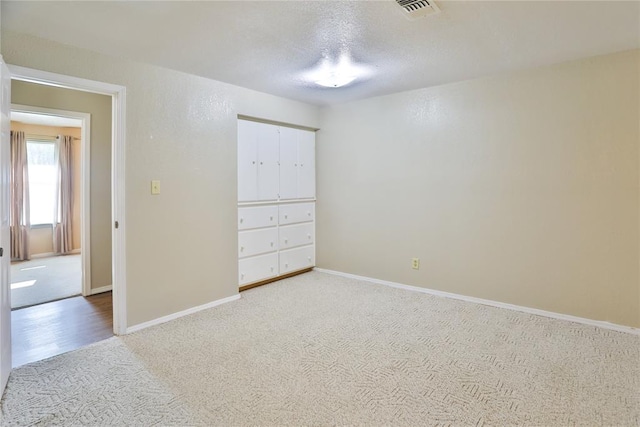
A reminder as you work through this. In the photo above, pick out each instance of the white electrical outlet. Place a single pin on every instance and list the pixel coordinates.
(415, 263)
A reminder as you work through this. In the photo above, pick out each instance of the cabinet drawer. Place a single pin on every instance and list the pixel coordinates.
(254, 242)
(257, 268)
(296, 235)
(298, 212)
(297, 259)
(257, 217)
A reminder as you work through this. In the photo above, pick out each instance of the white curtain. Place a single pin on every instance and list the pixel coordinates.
(20, 225)
(63, 206)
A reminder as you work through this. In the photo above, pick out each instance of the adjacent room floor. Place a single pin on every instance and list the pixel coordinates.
(45, 279)
(324, 350)
(53, 328)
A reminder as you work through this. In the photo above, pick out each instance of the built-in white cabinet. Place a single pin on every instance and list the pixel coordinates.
(258, 158)
(255, 242)
(291, 236)
(297, 164)
(257, 217)
(298, 212)
(276, 201)
(296, 259)
(258, 268)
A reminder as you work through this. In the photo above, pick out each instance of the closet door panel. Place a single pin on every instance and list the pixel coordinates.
(247, 161)
(306, 165)
(268, 154)
(288, 163)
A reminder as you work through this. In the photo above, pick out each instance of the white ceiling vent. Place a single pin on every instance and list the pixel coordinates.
(418, 8)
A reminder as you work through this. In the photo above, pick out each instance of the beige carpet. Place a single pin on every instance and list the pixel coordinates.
(45, 279)
(323, 350)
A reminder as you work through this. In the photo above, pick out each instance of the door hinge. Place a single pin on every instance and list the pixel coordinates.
(117, 224)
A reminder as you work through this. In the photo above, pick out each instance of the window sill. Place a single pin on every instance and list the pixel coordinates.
(36, 226)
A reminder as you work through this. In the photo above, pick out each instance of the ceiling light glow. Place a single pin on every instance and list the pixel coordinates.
(338, 74)
(335, 79)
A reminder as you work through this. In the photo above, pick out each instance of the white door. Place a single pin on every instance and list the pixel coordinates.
(306, 165)
(5, 258)
(247, 161)
(288, 163)
(268, 172)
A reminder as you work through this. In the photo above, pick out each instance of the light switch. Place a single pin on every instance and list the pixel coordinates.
(155, 187)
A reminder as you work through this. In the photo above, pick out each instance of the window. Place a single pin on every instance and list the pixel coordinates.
(41, 157)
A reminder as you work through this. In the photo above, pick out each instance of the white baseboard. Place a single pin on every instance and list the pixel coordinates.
(52, 254)
(179, 314)
(100, 290)
(43, 255)
(529, 310)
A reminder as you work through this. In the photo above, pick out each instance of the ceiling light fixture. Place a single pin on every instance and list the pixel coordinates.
(338, 74)
(335, 79)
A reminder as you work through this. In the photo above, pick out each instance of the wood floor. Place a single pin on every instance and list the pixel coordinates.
(53, 328)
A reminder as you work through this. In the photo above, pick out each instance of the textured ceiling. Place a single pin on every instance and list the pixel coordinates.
(267, 45)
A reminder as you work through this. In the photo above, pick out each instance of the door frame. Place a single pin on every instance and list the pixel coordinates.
(118, 136)
(85, 183)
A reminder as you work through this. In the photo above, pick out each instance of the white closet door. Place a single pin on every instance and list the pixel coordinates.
(289, 163)
(247, 161)
(268, 154)
(306, 165)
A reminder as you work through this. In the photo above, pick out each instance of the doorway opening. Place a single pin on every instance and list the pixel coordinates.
(62, 275)
(50, 227)
(50, 205)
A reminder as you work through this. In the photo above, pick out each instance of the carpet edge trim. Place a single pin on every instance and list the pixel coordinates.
(177, 315)
(492, 303)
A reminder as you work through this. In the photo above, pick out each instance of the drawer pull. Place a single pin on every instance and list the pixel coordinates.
(286, 265)
(260, 162)
(272, 269)
(308, 213)
(241, 220)
(271, 244)
(253, 163)
(308, 236)
(271, 218)
(242, 275)
(286, 240)
(309, 258)
(286, 216)
(241, 248)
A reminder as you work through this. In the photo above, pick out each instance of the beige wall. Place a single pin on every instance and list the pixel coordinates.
(99, 106)
(181, 129)
(41, 239)
(521, 188)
